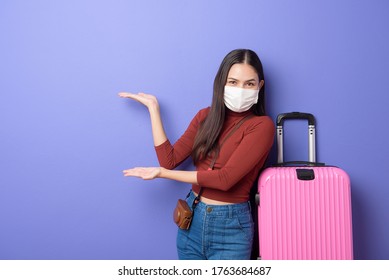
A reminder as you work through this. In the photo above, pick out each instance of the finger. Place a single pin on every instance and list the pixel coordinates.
(137, 171)
(141, 172)
(129, 172)
(137, 97)
(126, 94)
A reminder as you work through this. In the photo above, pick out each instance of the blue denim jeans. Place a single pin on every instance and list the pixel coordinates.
(218, 232)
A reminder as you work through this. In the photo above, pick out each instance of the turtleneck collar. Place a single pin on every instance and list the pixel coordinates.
(232, 114)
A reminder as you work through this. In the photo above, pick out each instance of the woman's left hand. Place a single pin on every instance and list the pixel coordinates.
(146, 173)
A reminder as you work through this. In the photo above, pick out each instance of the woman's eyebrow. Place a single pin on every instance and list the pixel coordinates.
(250, 80)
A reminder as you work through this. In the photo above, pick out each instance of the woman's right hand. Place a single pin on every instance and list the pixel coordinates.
(150, 101)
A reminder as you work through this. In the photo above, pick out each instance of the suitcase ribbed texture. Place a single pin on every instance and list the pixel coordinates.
(305, 219)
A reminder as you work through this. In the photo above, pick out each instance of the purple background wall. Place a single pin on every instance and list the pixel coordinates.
(66, 136)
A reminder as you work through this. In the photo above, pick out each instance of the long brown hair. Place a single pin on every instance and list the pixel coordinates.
(207, 136)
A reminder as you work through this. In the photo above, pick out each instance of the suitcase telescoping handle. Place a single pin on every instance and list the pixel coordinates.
(311, 134)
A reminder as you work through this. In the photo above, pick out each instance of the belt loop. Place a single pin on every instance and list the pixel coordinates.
(231, 211)
(249, 205)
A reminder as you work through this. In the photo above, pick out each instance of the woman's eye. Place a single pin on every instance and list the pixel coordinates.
(231, 82)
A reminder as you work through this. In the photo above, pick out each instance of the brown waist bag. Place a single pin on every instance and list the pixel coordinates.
(182, 214)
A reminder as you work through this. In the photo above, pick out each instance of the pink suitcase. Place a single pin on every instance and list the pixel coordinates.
(304, 210)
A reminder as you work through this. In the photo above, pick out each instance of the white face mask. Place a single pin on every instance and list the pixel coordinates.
(240, 99)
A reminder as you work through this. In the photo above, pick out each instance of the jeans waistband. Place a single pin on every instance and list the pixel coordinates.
(229, 210)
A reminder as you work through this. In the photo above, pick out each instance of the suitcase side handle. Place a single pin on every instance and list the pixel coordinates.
(311, 134)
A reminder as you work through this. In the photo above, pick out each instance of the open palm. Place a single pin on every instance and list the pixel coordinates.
(146, 173)
(146, 99)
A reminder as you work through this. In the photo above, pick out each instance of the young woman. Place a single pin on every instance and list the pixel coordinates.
(235, 132)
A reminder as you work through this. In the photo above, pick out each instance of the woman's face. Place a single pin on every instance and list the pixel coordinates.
(244, 76)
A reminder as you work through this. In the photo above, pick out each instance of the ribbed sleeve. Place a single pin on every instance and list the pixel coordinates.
(170, 156)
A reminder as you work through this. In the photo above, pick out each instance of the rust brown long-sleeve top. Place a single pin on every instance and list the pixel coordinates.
(241, 156)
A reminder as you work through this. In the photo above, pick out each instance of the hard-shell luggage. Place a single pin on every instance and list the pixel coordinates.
(304, 208)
